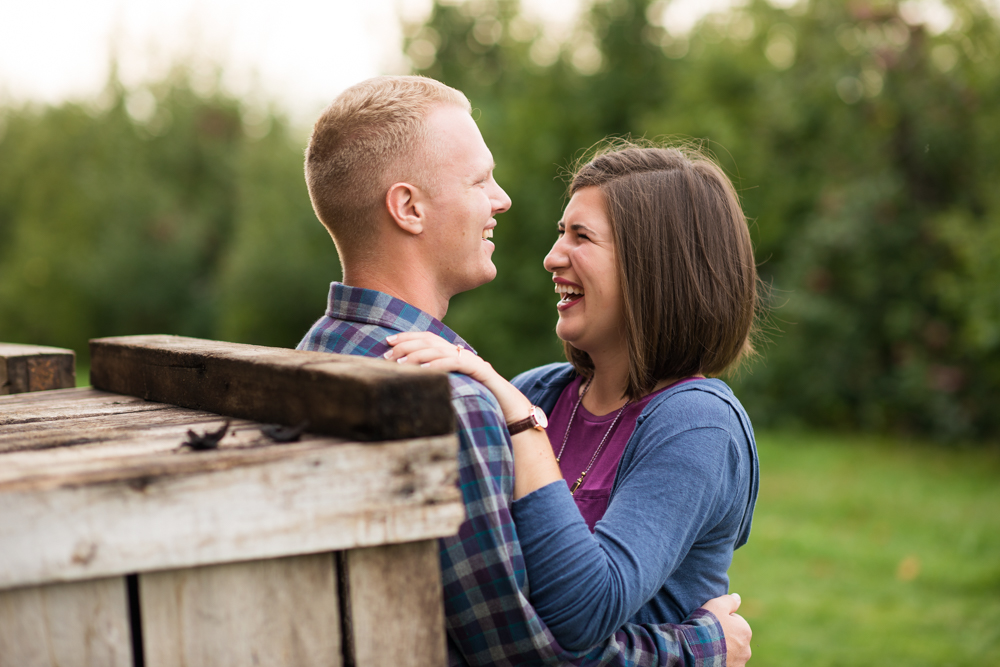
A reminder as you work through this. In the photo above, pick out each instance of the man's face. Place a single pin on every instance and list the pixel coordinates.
(463, 200)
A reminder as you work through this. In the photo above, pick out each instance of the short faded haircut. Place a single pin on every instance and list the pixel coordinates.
(365, 141)
(685, 262)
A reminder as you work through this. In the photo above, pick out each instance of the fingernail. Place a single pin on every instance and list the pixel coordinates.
(425, 364)
(391, 339)
(388, 354)
(400, 360)
(737, 596)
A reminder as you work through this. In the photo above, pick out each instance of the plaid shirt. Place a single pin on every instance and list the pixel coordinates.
(489, 618)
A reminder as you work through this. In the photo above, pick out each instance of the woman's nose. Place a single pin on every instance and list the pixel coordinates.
(557, 257)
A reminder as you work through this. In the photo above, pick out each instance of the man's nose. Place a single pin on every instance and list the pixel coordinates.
(501, 202)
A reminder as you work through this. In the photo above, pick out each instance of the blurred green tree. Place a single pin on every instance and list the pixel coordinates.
(863, 145)
(862, 142)
(156, 209)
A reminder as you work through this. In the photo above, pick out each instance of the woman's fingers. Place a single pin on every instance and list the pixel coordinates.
(405, 344)
(424, 355)
(432, 351)
(408, 348)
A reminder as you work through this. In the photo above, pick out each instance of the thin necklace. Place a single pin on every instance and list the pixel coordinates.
(593, 458)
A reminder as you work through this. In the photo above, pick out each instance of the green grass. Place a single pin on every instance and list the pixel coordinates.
(872, 552)
(82, 375)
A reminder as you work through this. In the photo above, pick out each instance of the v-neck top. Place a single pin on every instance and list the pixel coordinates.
(585, 437)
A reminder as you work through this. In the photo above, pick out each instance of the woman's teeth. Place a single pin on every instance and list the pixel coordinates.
(487, 234)
(568, 292)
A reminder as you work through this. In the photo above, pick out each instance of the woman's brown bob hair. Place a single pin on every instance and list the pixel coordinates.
(685, 262)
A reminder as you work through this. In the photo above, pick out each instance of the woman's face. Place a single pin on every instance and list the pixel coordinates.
(584, 269)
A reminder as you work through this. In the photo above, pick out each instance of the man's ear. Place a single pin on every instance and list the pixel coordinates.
(406, 207)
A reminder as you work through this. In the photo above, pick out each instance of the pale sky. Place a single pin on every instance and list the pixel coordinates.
(298, 54)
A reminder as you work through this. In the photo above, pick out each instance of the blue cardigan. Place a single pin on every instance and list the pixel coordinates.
(682, 501)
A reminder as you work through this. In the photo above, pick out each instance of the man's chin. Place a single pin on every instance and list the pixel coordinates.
(489, 275)
(481, 278)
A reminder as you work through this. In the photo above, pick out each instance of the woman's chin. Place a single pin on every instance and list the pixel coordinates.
(567, 335)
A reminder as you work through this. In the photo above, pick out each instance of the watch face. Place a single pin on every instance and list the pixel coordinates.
(540, 418)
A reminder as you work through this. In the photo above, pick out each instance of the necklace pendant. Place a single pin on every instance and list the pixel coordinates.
(576, 486)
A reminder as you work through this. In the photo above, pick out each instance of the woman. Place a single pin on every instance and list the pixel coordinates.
(631, 503)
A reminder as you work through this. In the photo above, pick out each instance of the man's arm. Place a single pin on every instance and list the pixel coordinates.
(488, 615)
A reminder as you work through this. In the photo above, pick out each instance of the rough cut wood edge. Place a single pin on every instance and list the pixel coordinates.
(346, 396)
(279, 612)
(83, 624)
(173, 511)
(394, 600)
(26, 368)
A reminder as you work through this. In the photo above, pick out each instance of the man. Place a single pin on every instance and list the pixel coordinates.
(402, 179)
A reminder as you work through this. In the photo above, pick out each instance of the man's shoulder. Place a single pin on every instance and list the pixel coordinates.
(330, 334)
(466, 389)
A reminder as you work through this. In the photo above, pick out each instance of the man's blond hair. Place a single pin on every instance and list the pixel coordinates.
(370, 137)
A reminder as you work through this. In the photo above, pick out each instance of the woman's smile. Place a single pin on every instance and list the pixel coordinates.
(584, 269)
(571, 293)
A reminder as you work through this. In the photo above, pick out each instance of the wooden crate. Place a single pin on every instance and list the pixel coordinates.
(119, 547)
(35, 368)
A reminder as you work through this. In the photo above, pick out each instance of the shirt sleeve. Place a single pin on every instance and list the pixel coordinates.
(489, 618)
(587, 585)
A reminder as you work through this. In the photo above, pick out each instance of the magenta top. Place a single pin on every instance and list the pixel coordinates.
(588, 430)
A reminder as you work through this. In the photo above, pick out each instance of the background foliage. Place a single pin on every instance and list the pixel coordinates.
(863, 145)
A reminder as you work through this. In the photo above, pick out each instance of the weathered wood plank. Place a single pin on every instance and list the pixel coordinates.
(275, 612)
(396, 614)
(79, 624)
(341, 395)
(35, 368)
(91, 425)
(106, 516)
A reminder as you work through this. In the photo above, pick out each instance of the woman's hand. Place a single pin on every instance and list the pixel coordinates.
(534, 463)
(431, 351)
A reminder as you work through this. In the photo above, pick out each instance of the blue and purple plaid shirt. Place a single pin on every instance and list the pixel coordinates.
(489, 618)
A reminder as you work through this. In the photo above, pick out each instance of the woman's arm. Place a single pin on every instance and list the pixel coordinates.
(586, 584)
(534, 463)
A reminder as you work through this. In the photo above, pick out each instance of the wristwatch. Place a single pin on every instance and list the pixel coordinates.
(536, 419)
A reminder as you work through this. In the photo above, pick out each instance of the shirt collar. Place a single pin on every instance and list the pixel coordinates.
(367, 306)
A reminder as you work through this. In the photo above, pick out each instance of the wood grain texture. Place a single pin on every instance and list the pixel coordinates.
(342, 395)
(277, 612)
(100, 515)
(42, 431)
(394, 604)
(80, 624)
(25, 368)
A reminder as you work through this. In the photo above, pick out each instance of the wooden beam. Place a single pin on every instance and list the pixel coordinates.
(33, 368)
(127, 499)
(283, 611)
(385, 589)
(82, 623)
(346, 396)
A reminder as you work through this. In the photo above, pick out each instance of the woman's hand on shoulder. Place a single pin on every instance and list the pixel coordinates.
(432, 351)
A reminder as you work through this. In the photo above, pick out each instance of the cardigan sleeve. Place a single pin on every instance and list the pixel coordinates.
(674, 487)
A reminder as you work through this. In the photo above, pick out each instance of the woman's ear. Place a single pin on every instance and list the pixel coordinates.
(406, 207)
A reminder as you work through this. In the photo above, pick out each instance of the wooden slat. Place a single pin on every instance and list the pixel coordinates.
(341, 395)
(80, 624)
(275, 612)
(104, 516)
(34, 368)
(88, 426)
(396, 615)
